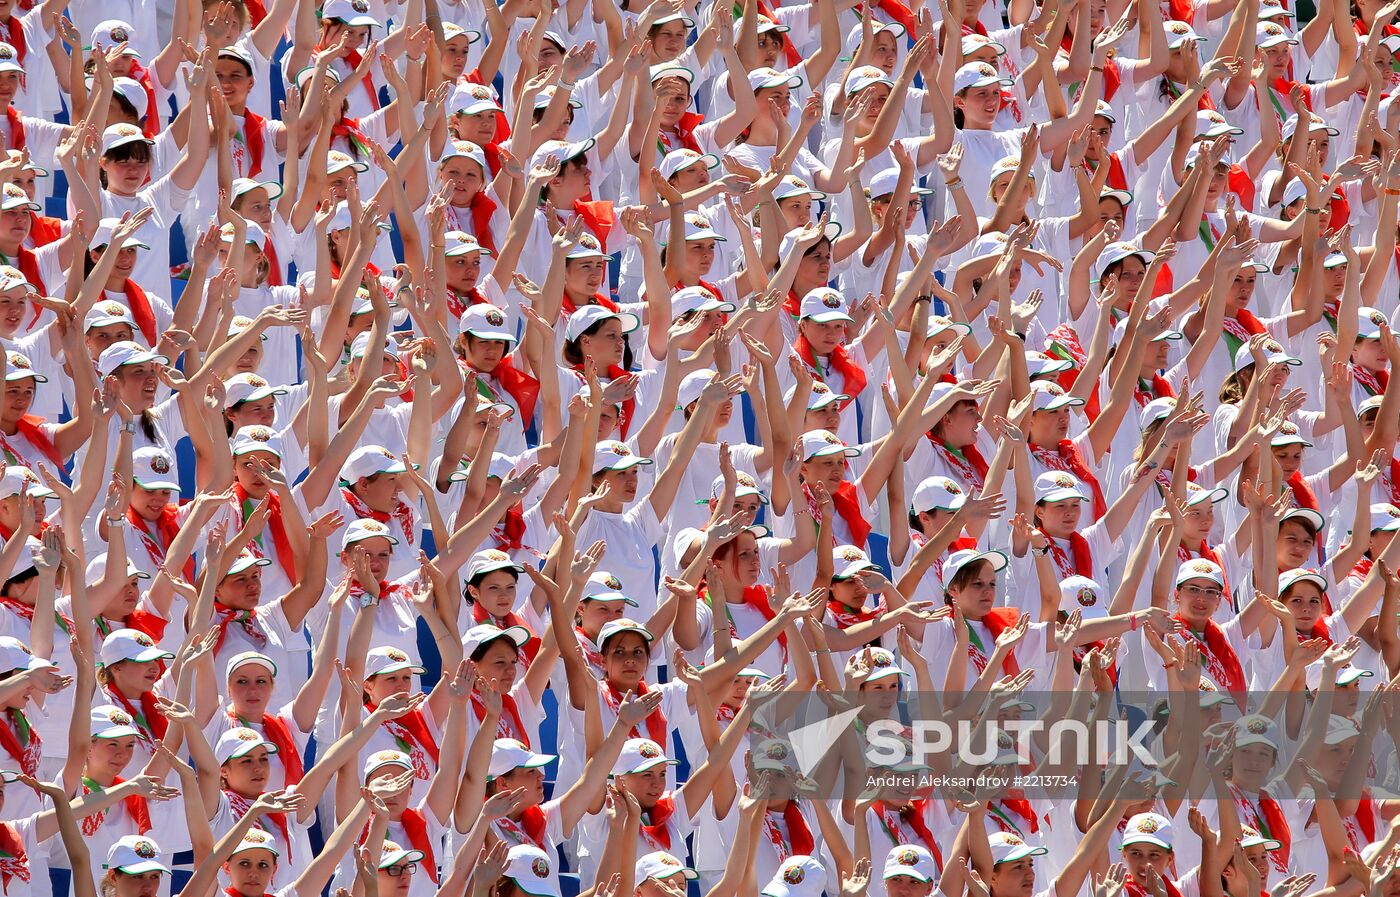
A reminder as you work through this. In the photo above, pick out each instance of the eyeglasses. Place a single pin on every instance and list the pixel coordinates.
(401, 869)
(1198, 592)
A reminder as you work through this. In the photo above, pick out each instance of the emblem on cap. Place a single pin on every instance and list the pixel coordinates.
(112, 308)
(143, 640)
(494, 318)
(1064, 481)
(1086, 596)
(144, 849)
(492, 554)
(952, 488)
(160, 464)
(620, 450)
(1256, 727)
(776, 751)
(793, 875)
(259, 434)
(257, 836)
(649, 751)
(119, 718)
(396, 655)
(372, 526)
(6, 52)
(18, 361)
(831, 301)
(1012, 840)
(120, 34)
(612, 582)
(907, 857)
(850, 553)
(359, 5)
(247, 735)
(540, 867)
(667, 860)
(1202, 567)
(1147, 824)
(481, 92)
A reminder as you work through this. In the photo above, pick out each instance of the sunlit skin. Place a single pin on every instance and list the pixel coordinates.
(908, 886)
(1200, 520)
(454, 57)
(1013, 879)
(242, 590)
(797, 211)
(979, 106)
(604, 345)
(1059, 519)
(124, 177)
(250, 687)
(15, 225)
(497, 663)
(573, 182)
(829, 470)
(106, 758)
(823, 337)
(381, 687)
(378, 550)
(828, 417)
(626, 656)
(648, 786)
(958, 427)
(250, 871)
(495, 592)
(671, 886)
(593, 615)
(668, 40)
(482, 354)
(1304, 601)
(19, 699)
(1196, 601)
(479, 127)
(245, 469)
(9, 88)
(396, 884)
(98, 339)
(132, 678)
(1250, 766)
(976, 595)
(121, 605)
(14, 306)
(249, 774)
(137, 385)
(463, 271)
(258, 412)
(583, 278)
(814, 270)
(465, 176)
(146, 884)
(1296, 543)
(148, 503)
(879, 698)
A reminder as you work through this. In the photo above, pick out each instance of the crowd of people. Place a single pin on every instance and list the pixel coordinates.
(391, 504)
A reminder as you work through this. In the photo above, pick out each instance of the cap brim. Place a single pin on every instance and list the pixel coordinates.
(153, 485)
(1141, 838)
(609, 597)
(143, 867)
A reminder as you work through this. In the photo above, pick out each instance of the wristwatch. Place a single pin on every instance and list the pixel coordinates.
(129, 426)
(368, 600)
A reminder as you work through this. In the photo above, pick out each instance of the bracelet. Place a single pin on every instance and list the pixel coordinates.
(924, 297)
(1389, 191)
(1042, 551)
(411, 59)
(1095, 68)
(954, 183)
(1312, 211)
(566, 85)
(115, 521)
(822, 651)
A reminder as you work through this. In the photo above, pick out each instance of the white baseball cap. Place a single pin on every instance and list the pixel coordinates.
(1292, 577)
(959, 559)
(1052, 397)
(368, 461)
(337, 161)
(1271, 34)
(1345, 675)
(1200, 568)
(661, 865)
(464, 149)
(938, 493)
(820, 396)
(865, 76)
(15, 478)
(612, 454)
(135, 855)
(121, 134)
(978, 74)
(820, 443)
(472, 99)
(351, 12)
(242, 186)
(458, 242)
(1148, 828)
(683, 158)
(1008, 847)
(108, 226)
(1085, 595)
(239, 742)
(256, 438)
(508, 754)
(249, 657)
(360, 530)
(485, 321)
(1058, 485)
(1273, 353)
(605, 586)
(12, 196)
(791, 185)
(589, 315)
(1179, 33)
(127, 644)
(1210, 123)
(384, 660)
(9, 59)
(249, 387)
(1256, 729)
(621, 625)
(697, 298)
(380, 759)
(489, 561)
(256, 839)
(111, 721)
(639, 755)
(397, 855)
(824, 304)
(529, 867)
(1116, 252)
(485, 633)
(883, 184)
(561, 150)
(850, 560)
(797, 876)
(1211, 695)
(1385, 517)
(913, 860)
(764, 78)
(151, 466)
(126, 352)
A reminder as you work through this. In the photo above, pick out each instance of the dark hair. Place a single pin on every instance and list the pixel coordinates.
(603, 645)
(573, 354)
(964, 576)
(18, 579)
(577, 161)
(139, 151)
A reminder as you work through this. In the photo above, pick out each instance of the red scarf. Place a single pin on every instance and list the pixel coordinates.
(31, 427)
(14, 862)
(28, 264)
(847, 504)
(1374, 382)
(1136, 890)
(456, 307)
(256, 12)
(853, 377)
(280, 542)
(141, 310)
(567, 306)
(147, 622)
(509, 725)
(26, 612)
(353, 59)
(254, 129)
(1078, 561)
(655, 830)
(1156, 388)
(967, 461)
(151, 117)
(167, 528)
(1220, 658)
(1243, 325)
(274, 267)
(16, 121)
(685, 133)
(657, 728)
(16, 32)
(1303, 496)
(799, 833)
(349, 129)
(1067, 457)
(1275, 827)
(415, 826)
(277, 732)
(844, 617)
(483, 207)
(246, 619)
(900, 13)
(529, 830)
(895, 821)
(598, 216)
(1022, 809)
(136, 808)
(21, 741)
(402, 512)
(43, 230)
(150, 722)
(996, 620)
(510, 532)
(414, 738)
(523, 388)
(530, 649)
(1117, 178)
